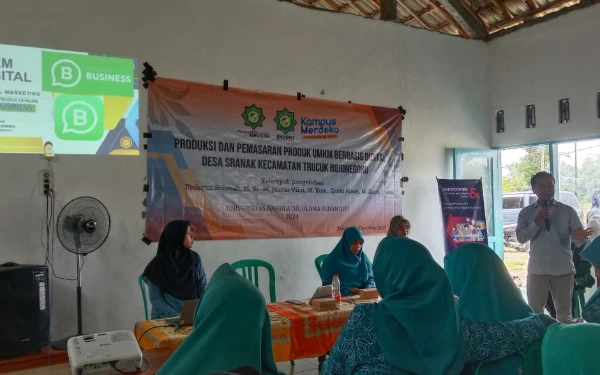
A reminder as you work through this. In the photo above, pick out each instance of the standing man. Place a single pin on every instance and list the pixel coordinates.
(550, 226)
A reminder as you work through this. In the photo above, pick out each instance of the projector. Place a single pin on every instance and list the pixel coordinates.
(99, 353)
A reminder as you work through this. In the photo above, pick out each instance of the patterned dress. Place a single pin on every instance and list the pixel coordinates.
(357, 352)
(591, 311)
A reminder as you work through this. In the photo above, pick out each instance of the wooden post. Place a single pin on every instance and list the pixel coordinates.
(389, 11)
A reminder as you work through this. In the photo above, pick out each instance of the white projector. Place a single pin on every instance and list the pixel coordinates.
(101, 352)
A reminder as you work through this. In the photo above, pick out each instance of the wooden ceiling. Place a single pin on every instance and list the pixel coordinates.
(476, 19)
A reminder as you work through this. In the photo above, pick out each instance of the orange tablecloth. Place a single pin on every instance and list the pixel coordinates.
(297, 331)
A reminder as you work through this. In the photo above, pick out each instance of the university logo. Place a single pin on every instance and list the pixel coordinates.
(253, 116)
(285, 121)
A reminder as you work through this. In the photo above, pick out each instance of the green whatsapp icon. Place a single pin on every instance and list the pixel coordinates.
(78, 117)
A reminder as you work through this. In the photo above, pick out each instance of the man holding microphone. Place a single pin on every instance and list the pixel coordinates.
(550, 226)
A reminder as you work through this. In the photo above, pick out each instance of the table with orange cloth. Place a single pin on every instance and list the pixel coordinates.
(297, 331)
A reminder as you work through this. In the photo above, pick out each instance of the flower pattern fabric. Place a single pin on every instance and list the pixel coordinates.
(357, 352)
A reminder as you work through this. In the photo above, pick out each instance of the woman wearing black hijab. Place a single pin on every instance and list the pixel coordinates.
(176, 273)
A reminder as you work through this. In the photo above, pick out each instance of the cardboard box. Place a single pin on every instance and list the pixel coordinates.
(370, 293)
(324, 304)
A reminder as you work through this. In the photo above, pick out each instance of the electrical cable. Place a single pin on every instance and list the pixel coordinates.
(150, 329)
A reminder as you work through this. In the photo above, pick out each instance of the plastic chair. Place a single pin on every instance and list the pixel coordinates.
(578, 302)
(250, 268)
(319, 262)
(143, 288)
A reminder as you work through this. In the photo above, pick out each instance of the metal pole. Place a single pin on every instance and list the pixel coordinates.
(79, 317)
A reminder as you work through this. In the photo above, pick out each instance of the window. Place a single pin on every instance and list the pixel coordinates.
(509, 203)
(578, 174)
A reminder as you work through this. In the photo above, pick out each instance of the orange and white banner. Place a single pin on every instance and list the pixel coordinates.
(243, 164)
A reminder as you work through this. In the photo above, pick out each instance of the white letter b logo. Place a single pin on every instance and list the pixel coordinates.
(79, 118)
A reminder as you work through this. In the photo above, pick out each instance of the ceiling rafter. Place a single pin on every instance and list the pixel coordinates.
(531, 14)
(481, 19)
(415, 15)
(449, 18)
(505, 12)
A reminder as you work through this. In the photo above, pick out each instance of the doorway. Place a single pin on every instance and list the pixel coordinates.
(576, 167)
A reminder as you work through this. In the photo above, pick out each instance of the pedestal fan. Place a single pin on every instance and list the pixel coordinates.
(82, 227)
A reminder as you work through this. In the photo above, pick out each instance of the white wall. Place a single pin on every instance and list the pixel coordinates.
(540, 65)
(256, 44)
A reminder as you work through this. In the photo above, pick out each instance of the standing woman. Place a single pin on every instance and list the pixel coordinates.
(399, 227)
(176, 273)
(350, 263)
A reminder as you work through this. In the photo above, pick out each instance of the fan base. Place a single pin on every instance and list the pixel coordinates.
(62, 343)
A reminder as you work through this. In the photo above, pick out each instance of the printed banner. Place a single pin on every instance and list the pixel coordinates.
(463, 212)
(244, 164)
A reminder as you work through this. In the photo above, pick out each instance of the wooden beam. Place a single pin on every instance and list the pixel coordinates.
(331, 5)
(352, 4)
(533, 4)
(442, 25)
(415, 16)
(582, 4)
(503, 9)
(420, 13)
(527, 15)
(471, 18)
(449, 18)
(389, 11)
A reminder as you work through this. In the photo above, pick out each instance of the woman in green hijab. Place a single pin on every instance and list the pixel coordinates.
(486, 292)
(231, 330)
(571, 349)
(416, 328)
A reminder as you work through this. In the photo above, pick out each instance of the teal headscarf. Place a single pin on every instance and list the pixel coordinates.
(487, 292)
(352, 270)
(485, 289)
(571, 349)
(231, 329)
(416, 323)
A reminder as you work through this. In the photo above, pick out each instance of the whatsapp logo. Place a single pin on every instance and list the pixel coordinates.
(82, 74)
(65, 73)
(79, 118)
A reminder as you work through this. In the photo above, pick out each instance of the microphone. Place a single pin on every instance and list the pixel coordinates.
(546, 205)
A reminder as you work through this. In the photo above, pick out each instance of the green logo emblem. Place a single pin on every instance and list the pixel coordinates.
(285, 121)
(79, 118)
(253, 116)
(73, 73)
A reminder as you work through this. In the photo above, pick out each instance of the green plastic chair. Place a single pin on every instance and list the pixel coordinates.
(250, 268)
(319, 262)
(143, 288)
(578, 302)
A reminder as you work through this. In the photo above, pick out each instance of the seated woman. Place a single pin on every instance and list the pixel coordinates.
(415, 329)
(231, 330)
(350, 263)
(591, 310)
(487, 292)
(571, 349)
(176, 273)
(399, 227)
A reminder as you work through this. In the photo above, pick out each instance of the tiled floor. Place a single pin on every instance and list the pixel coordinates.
(303, 366)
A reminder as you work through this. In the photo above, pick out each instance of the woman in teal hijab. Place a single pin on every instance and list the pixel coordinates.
(486, 292)
(571, 349)
(350, 263)
(416, 328)
(231, 330)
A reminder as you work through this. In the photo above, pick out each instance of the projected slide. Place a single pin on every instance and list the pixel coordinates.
(82, 103)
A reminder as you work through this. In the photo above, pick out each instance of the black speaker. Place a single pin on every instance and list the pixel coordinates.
(25, 311)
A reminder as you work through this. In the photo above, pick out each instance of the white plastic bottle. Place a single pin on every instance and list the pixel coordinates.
(336, 293)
